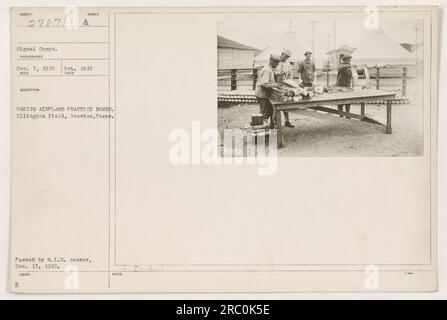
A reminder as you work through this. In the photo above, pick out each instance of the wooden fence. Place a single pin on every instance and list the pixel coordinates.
(382, 77)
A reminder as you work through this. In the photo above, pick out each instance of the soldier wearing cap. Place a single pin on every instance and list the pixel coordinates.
(344, 78)
(307, 69)
(284, 72)
(266, 82)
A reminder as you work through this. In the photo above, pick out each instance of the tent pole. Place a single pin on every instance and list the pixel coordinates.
(313, 40)
(378, 78)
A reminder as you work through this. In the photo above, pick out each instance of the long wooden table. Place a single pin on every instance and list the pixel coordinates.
(334, 99)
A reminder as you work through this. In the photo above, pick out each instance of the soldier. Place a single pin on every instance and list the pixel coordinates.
(344, 78)
(284, 72)
(266, 82)
(307, 70)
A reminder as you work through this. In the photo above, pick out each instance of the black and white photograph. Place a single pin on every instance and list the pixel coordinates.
(330, 88)
(268, 151)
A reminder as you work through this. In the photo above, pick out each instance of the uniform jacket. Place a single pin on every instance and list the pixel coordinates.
(266, 76)
(307, 71)
(344, 76)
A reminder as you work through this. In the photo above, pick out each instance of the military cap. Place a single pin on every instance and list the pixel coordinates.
(275, 57)
(287, 52)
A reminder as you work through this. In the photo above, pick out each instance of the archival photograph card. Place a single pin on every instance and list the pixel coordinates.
(259, 149)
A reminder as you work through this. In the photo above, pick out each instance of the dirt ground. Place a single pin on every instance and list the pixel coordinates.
(318, 134)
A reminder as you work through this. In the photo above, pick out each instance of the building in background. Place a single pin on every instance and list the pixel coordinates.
(417, 50)
(335, 56)
(234, 55)
(411, 47)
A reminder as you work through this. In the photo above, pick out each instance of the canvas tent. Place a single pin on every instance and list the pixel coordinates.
(380, 49)
(419, 52)
(289, 41)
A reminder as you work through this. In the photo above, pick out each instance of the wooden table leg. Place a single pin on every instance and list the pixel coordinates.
(280, 141)
(388, 116)
(362, 110)
(348, 110)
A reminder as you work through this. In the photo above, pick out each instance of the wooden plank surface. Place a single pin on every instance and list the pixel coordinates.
(356, 96)
(353, 95)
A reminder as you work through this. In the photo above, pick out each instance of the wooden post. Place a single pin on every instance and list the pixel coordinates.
(233, 79)
(327, 77)
(388, 116)
(404, 82)
(362, 110)
(255, 78)
(378, 78)
(277, 120)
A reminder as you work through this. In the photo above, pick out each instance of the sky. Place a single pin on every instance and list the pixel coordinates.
(261, 34)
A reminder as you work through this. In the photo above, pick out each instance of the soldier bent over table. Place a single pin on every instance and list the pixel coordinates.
(284, 72)
(266, 82)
